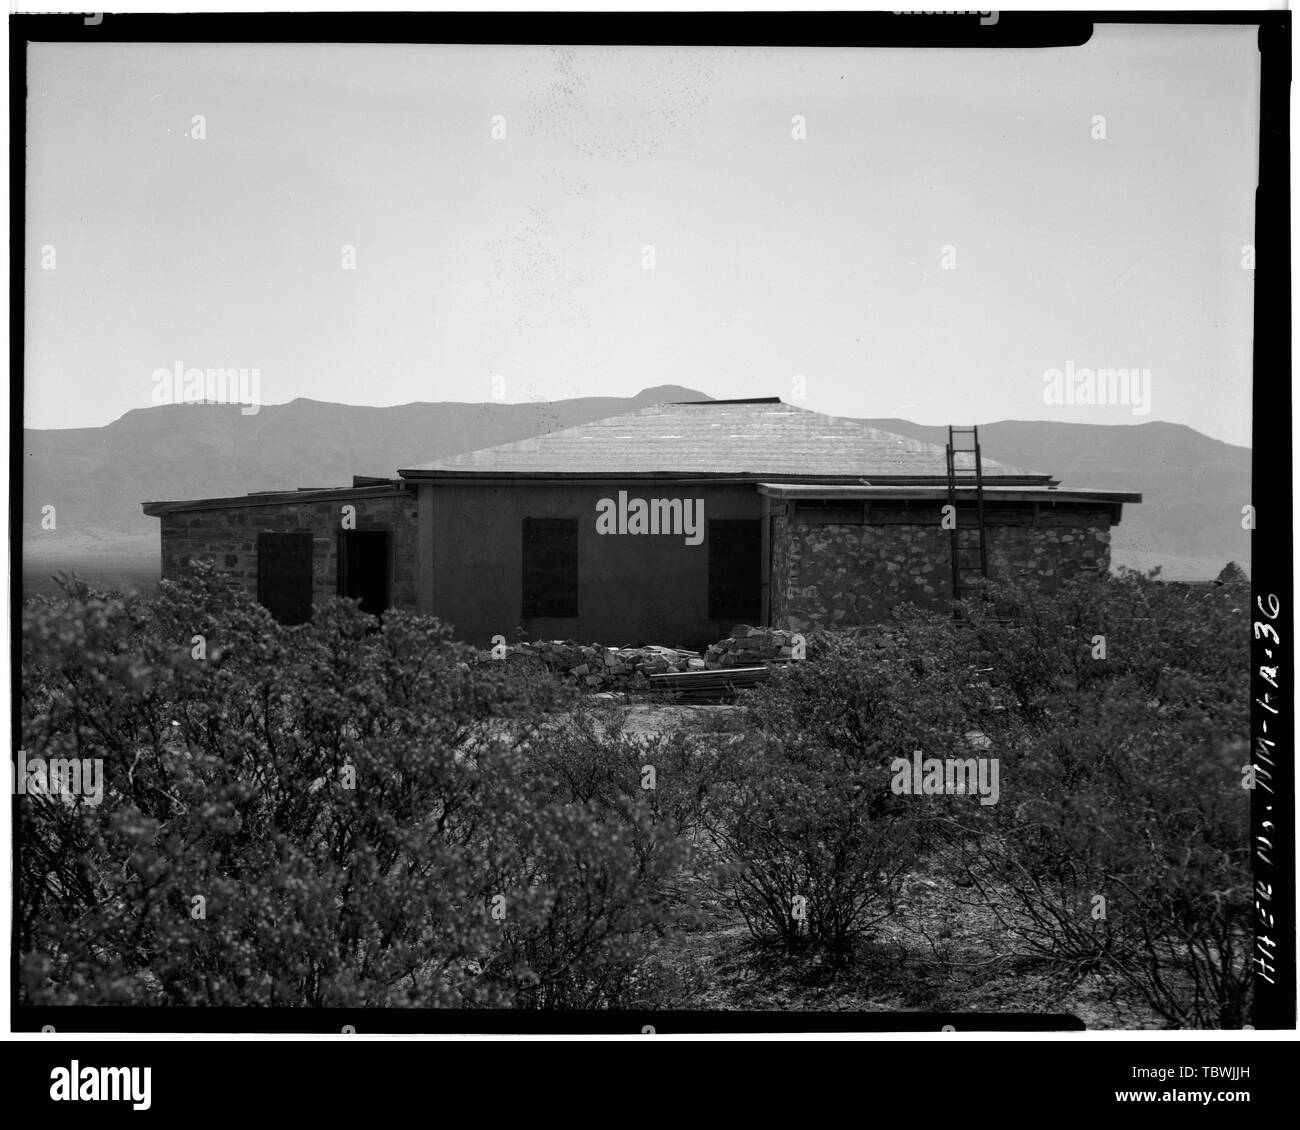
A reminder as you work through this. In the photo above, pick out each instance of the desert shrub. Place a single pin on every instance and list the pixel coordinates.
(579, 907)
(317, 815)
(817, 847)
(591, 759)
(607, 875)
(1118, 710)
(1120, 843)
(353, 813)
(805, 815)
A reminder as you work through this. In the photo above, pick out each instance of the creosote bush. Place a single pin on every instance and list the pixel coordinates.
(1118, 710)
(328, 814)
(355, 813)
(817, 844)
(1121, 844)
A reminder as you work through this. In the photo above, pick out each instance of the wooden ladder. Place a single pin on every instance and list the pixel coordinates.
(964, 566)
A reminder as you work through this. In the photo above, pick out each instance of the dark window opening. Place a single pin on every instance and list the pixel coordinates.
(735, 576)
(550, 567)
(364, 568)
(284, 575)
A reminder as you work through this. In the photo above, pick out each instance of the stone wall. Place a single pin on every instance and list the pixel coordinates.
(228, 538)
(829, 575)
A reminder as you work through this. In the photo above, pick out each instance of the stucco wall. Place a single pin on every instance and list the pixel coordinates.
(845, 575)
(632, 589)
(228, 538)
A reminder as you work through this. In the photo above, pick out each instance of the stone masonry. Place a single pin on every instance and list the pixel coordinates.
(228, 538)
(826, 575)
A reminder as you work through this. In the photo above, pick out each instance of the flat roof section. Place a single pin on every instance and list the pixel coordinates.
(275, 498)
(996, 493)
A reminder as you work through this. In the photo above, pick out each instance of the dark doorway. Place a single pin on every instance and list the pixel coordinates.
(284, 575)
(735, 577)
(364, 568)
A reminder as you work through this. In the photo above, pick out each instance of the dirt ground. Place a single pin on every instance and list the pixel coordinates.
(651, 719)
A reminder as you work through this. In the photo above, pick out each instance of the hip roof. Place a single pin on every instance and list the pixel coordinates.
(748, 439)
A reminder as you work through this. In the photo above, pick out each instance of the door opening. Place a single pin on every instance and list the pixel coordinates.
(364, 568)
(735, 572)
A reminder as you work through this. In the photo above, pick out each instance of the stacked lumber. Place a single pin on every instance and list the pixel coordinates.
(709, 686)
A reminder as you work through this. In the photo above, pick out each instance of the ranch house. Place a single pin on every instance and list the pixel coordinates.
(669, 525)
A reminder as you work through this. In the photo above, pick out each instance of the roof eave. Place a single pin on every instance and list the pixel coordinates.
(1002, 490)
(470, 475)
(272, 498)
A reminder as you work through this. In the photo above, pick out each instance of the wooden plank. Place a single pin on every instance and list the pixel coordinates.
(716, 684)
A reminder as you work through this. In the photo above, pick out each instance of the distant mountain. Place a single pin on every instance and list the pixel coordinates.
(1189, 521)
(97, 477)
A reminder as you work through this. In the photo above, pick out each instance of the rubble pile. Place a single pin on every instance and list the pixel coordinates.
(751, 647)
(615, 668)
(606, 667)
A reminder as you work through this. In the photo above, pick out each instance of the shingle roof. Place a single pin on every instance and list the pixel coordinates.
(766, 439)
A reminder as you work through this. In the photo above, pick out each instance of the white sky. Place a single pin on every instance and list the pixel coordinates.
(773, 257)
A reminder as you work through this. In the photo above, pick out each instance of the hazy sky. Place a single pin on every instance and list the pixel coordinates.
(524, 256)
